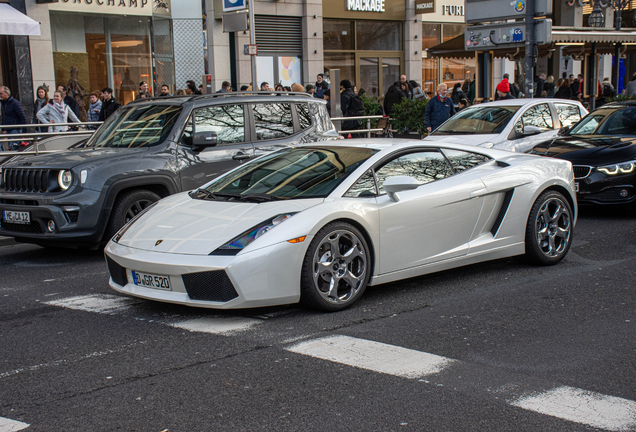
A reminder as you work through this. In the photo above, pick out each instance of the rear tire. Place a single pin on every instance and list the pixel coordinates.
(336, 268)
(127, 206)
(549, 229)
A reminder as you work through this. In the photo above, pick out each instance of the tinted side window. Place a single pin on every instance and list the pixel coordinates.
(226, 120)
(304, 117)
(273, 121)
(568, 113)
(364, 187)
(462, 160)
(425, 166)
(539, 116)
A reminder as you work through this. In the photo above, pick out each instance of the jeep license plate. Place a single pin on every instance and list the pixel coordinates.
(151, 280)
(16, 217)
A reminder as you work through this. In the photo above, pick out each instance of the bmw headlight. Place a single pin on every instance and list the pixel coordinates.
(618, 169)
(241, 241)
(64, 179)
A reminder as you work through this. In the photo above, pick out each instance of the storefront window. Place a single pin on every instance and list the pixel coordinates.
(338, 35)
(431, 36)
(379, 35)
(345, 62)
(108, 52)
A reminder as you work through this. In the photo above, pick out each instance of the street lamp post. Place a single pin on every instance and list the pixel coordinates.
(618, 6)
(596, 19)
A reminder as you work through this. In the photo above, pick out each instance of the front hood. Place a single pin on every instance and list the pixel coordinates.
(73, 157)
(197, 227)
(589, 150)
(463, 139)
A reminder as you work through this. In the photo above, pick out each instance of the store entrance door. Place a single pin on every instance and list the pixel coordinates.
(376, 73)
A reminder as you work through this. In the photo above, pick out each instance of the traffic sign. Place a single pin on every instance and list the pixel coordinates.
(493, 36)
(479, 11)
(234, 5)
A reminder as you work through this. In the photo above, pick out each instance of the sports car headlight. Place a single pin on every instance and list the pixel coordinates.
(487, 145)
(123, 229)
(64, 179)
(241, 241)
(618, 169)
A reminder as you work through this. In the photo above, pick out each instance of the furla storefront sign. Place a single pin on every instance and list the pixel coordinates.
(365, 5)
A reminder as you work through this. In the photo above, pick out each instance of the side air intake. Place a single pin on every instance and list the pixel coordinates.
(502, 212)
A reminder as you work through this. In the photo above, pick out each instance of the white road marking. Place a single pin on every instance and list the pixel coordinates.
(581, 406)
(100, 303)
(375, 356)
(567, 403)
(8, 425)
(218, 325)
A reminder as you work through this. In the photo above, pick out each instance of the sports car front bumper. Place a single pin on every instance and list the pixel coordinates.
(263, 277)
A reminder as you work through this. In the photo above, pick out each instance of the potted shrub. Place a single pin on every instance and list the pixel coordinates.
(408, 118)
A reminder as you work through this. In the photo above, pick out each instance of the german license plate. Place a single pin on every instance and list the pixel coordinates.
(576, 186)
(151, 280)
(16, 217)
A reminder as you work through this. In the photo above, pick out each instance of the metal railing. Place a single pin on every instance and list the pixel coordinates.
(36, 137)
(368, 129)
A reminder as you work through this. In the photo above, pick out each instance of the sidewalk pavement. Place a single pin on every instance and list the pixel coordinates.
(6, 241)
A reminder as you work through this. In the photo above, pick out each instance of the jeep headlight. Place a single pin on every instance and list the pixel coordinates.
(64, 179)
(618, 169)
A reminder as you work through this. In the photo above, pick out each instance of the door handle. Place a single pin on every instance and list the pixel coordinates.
(241, 156)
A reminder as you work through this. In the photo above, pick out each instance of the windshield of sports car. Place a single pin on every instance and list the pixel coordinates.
(607, 121)
(137, 126)
(478, 120)
(306, 172)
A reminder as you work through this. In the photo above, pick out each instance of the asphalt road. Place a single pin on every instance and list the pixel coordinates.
(499, 346)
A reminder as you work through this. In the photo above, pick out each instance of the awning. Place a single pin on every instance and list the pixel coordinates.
(454, 48)
(15, 23)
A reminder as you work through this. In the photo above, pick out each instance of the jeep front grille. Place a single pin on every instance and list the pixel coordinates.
(26, 180)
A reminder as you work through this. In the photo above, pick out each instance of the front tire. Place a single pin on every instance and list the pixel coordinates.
(127, 207)
(549, 229)
(336, 268)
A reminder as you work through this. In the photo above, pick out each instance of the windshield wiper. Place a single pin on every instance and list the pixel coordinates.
(259, 197)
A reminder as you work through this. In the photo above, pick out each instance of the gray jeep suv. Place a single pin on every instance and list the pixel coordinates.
(148, 150)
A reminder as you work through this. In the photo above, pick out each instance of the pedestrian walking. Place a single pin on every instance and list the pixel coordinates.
(165, 91)
(549, 86)
(631, 87)
(69, 100)
(226, 87)
(439, 109)
(94, 109)
(393, 96)
(457, 93)
(109, 104)
(540, 85)
(56, 111)
(564, 91)
(351, 105)
(503, 90)
(42, 98)
(409, 90)
(12, 115)
(418, 93)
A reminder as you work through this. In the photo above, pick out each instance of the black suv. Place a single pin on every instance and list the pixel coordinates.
(148, 150)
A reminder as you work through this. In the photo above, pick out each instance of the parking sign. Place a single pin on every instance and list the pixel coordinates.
(233, 5)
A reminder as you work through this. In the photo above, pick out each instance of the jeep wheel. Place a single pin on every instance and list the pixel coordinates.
(127, 206)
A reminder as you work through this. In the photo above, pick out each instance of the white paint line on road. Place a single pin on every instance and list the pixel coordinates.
(8, 425)
(581, 406)
(375, 356)
(218, 325)
(103, 303)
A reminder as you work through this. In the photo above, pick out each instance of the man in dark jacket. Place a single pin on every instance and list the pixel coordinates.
(346, 100)
(109, 106)
(439, 109)
(12, 114)
(394, 95)
(503, 90)
(69, 100)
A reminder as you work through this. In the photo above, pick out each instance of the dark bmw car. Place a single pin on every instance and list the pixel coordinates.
(602, 149)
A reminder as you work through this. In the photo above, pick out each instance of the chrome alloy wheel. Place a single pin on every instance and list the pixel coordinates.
(553, 227)
(340, 266)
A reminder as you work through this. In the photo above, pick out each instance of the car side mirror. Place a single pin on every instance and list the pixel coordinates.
(530, 130)
(564, 130)
(396, 184)
(205, 139)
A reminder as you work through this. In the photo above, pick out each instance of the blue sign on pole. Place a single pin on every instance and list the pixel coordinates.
(233, 5)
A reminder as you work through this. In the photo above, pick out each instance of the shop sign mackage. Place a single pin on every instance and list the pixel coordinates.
(391, 10)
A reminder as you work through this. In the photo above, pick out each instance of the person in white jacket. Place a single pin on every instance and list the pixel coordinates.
(56, 111)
